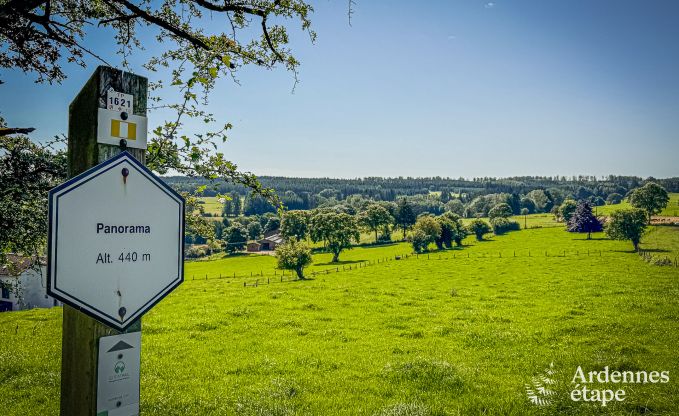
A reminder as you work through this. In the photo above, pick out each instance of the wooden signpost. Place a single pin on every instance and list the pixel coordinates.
(115, 245)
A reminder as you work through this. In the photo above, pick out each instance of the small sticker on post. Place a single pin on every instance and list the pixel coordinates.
(118, 101)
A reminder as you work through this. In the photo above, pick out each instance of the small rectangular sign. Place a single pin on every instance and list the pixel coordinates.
(118, 375)
(118, 101)
(111, 128)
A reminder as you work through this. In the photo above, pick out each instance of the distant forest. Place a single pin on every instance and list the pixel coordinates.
(309, 193)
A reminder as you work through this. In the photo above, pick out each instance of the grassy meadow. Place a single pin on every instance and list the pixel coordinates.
(456, 332)
(211, 205)
(672, 208)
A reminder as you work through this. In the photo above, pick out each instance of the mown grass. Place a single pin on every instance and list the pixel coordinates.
(672, 208)
(662, 241)
(211, 205)
(457, 335)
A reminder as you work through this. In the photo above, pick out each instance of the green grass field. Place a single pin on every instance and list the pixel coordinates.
(460, 334)
(672, 208)
(212, 205)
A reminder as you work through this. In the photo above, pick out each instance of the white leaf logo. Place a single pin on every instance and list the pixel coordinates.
(538, 392)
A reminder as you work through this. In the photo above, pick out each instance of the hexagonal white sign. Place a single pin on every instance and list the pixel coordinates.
(116, 241)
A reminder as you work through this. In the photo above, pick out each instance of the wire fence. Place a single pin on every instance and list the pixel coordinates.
(255, 279)
(651, 256)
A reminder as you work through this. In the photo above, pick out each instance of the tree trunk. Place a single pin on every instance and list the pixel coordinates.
(300, 273)
(335, 257)
(589, 235)
(404, 233)
(375, 234)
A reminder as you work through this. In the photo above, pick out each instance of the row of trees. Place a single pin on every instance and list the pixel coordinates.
(338, 229)
(390, 189)
(463, 204)
(624, 224)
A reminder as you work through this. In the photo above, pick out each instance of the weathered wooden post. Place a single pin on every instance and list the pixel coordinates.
(98, 281)
(81, 333)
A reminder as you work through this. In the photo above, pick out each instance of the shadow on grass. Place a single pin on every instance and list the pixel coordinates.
(376, 245)
(656, 250)
(340, 263)
(234, 255)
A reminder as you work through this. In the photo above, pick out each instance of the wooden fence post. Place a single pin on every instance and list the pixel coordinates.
(80, 333)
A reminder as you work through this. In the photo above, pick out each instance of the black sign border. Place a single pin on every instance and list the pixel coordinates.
(70, 300)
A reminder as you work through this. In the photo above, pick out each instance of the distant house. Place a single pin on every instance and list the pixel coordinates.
(253, 246)
(22, 287)
(270, 242)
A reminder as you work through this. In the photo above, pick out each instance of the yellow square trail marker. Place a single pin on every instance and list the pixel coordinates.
(116, 121)
(124, 129)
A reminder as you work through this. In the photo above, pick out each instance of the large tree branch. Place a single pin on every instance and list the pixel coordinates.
(194, 40)
(248, 10)
(20, 6)
(6, 131)
(268, 39)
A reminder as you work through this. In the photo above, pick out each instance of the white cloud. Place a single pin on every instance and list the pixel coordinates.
(489, 5)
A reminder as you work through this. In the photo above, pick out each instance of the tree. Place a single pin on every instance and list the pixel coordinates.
(627, 224)
(343, 231)
(528, 204)
(236, 238)
(254, 230)
(232, 205)
(479, 228)
(651, 197)
(294, 255)
(295, 224)
(614, 198)
(426, 231)
(597, 201)
(336, 229)
(257, 205)
(273, 224)
(583, 193)
(501, 210)
(445, 238)
(567, 209)
(27, 172)
(40, 36)
(502, 225)
(445, 196)
(375, 217)
(459, 230)
(452, 229)
(584, 220)
(540, 199)
(455, 206)
(420, 240)
(525, 212)
(404, 215)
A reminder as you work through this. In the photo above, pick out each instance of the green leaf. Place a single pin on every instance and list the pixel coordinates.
(226, 59)
(213, 72)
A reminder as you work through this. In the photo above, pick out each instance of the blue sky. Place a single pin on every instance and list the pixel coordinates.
(445, 88)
